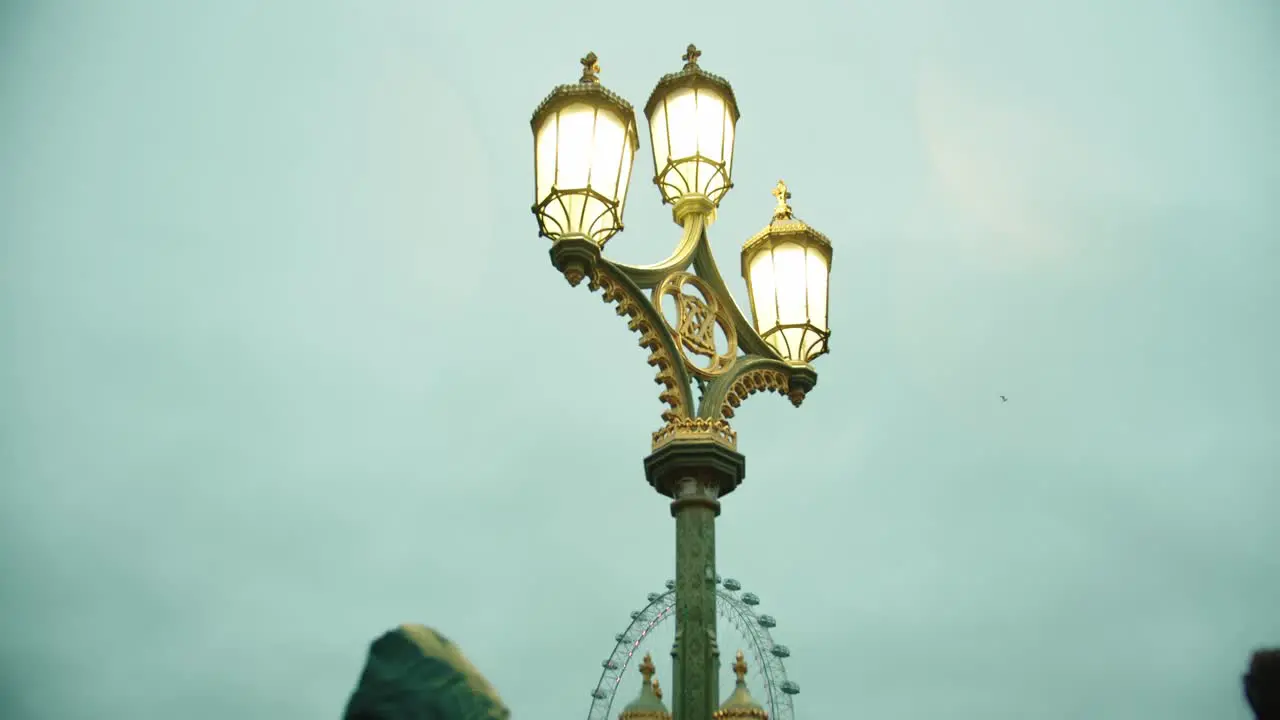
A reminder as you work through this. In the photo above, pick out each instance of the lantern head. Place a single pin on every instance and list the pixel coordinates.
(584, 146)
(692, 115)
(787, 266)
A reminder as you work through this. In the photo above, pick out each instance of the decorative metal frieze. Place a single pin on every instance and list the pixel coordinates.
(752, 382)
(686, 428)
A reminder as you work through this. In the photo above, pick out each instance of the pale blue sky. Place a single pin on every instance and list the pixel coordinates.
(283, 362)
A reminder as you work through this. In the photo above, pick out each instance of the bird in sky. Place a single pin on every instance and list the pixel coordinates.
(1004, 399)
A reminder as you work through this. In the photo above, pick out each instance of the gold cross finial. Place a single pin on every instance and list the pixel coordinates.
(691, 55)
(646, 668)
(590, 68)
(740, 667)
(783, 211)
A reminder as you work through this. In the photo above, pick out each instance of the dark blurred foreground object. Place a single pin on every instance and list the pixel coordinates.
(415, 673)
(1262, 684)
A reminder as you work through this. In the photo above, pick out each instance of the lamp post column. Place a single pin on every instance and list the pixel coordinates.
(694, 473)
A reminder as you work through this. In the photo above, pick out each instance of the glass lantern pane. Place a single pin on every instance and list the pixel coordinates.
(606, 153)
(568, 210)
(790, 279)
(682, 123)
(658, 137)
(545, 158)
(574, 146)
(711, 180)
(624, 178)
(818, 274)
(682, 177)
(729, 135)
(763, 297)
(596, 217)
(710, 127)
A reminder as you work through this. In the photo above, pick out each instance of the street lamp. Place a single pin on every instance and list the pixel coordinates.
(584, 147)
(786, 266)
(692, 116)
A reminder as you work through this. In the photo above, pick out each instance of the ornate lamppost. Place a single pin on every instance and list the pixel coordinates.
(585, 141)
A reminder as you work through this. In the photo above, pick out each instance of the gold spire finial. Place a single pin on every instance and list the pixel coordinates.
(783, 211)
(657, 689)
(740, 667)
(647, 669)
(691, 55)
(590, 68)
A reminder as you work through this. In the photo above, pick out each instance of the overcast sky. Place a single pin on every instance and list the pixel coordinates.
(283, 362)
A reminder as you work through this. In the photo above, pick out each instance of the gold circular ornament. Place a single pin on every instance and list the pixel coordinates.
(698, 315)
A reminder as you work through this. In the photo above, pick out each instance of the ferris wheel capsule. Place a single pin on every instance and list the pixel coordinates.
(750, 599)
(791, 687)
(767, 621)
(619, 637)
(731, 584)
(781, 651)
(599, 694)
(671, 584)
(635, 614)
(652, 596)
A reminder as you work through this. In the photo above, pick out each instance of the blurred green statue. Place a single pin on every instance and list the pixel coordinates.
(415, 673)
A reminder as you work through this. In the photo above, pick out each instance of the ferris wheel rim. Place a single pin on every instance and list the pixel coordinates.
(658, 609)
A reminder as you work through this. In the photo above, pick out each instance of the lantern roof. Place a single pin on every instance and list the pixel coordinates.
(785, 225)
(692, 76)
(589, 90)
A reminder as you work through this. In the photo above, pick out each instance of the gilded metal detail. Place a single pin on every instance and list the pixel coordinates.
(690, 57)
(590, 69)
(698, 316)
(696, 428)
(783, 211)
(615, 293)
(754, 381)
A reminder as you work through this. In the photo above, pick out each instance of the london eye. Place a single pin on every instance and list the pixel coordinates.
(740, 609)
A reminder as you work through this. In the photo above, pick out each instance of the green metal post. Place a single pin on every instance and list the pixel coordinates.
(694, 474)
(697, 671)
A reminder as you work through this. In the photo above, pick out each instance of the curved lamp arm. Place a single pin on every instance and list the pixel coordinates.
(650, 276)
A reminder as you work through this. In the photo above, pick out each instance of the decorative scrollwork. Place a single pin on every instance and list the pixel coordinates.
(616, 293)
(698, 316)
(754, 381)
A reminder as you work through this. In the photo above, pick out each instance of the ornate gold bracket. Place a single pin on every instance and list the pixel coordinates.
(730, 377)
(698, 315)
